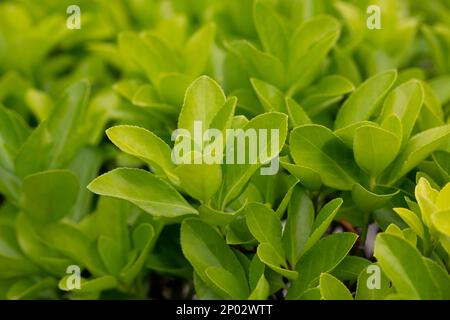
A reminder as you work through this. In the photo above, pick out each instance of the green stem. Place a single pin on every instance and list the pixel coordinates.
(372, 183)
(365, 228)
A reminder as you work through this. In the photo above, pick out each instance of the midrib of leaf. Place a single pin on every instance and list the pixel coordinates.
(169, 204)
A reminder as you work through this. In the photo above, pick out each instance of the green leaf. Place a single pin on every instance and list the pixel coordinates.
(418, 149)
(109, 251)
(264, 225)
(85, 166)
(143, 237)
(332, 289)
(261, 291)
(270, 30)
(13, 132)
(363, 103)
(443, 198)
(36, 250)
(432, 114)
(110, 220)
(74, 244)
(440, 276)
(318, 148)
(355, 22)
(172, 87)
(127, 88)
(329, 90)
(167, 258)
(406, 102)
(393, 124)
(439, 86)
(238, 233)
(347, 134)
(236, 176)
(283, 205)
(203, 291)
(203, 99)
(405, 267)
(142, 188)
(350, 268)
(201, 181)
(241, 15)
(345, 65)
(368, 201)
(374, 149)
(311, 294)
(412, 220)
(299, 224)
(151, 54)
(322, 222)
(226, 281)
(310, 178)
(12, 262)
(271, 98)
(442, 160)
(205, 248)
(96, 284)
(49, 195)
(259, 64)
(57, 139)
(426, 197)
(217, 217)
(395, 230)
(441, 221)
(324, 256)
(198, 49)
(309, 47)
(372, 284)
(297, 116)
(145, 96)
(29, 289)
(255, 271)
(273, 258)
(224, 118)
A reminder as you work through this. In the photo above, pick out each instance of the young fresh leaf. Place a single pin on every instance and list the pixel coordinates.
(205, 248)
(332, 289)
(405, 267)
(318, 148)
(323, 257)
(203, 100)
(299, 224)
(142, 188)
(374, 149)
(363, 103)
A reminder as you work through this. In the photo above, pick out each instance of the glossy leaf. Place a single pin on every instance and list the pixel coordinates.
(365, 100)
(404, 266)
(142, 188)
(319, 149)
(205, 249)
(332, 289)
